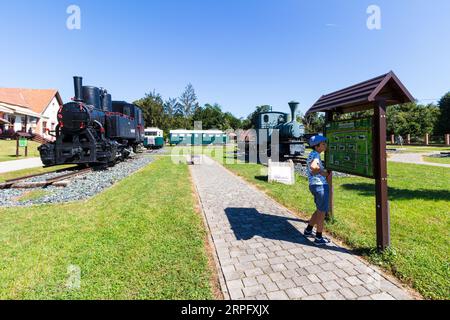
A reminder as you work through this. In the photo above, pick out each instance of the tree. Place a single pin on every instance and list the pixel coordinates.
(443, 124)
(412, 118)
(252, 118)
(152, 106)
(188, 100)
(313, 122)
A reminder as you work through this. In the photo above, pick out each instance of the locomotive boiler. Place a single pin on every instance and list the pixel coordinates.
(94, 130)
(277, 137)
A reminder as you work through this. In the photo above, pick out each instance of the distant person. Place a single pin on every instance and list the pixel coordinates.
(319, 188)
(30, 131)
(400, 140)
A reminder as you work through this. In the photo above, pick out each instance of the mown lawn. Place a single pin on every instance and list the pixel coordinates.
(419, 149)
(8, 150)
(420, 219)
(26, 172)
(437, 160)
(141, 239)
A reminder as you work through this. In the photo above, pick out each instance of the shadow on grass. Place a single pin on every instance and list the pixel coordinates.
(247, 223)
(262, 178)
(368, 189)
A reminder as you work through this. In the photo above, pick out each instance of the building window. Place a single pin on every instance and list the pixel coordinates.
(44, 127)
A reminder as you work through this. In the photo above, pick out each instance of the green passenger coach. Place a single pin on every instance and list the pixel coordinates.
(197, 137)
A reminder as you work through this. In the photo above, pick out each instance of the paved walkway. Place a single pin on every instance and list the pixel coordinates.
(15, 165)
(415, 158)
(262, 254)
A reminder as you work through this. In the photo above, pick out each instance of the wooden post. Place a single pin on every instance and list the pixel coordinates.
(381, 185)
(408, 139)
(17, 146)
(447, 139)
(392, 139)
(328, 119)
(427, 139)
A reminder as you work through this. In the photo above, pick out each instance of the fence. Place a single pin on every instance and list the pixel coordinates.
(424, 141)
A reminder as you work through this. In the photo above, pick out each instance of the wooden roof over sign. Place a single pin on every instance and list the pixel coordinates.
(362, 96)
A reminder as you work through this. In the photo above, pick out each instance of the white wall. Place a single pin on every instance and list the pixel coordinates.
(50, 116)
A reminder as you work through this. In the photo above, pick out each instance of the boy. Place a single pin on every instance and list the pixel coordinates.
(318, 186)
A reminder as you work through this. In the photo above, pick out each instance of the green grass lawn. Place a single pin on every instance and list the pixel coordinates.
(8, 150)
(141, 239)
(419, 149)
(437, 160)
(420, 219)
(26, 172)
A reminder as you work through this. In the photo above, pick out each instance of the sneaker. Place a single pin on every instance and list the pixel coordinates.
(322, 241)
(309, 234)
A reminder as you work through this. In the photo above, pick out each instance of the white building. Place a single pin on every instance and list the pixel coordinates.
(25, 109)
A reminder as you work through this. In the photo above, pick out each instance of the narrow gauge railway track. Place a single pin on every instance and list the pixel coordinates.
(61, 181)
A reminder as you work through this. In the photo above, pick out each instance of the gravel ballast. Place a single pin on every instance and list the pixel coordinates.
(80, 188)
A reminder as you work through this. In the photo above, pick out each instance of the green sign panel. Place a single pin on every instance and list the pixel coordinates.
(23, 142)
(350, 147)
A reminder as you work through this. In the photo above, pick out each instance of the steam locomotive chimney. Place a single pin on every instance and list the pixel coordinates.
(293, 105)
(78, 84)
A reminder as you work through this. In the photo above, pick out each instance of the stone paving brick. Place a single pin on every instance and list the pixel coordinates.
(289, 273)
(235, 294)
(235, 284)
(313, 278)
(326, 276)
(347, 293)
(285, 284)
(253, 291)
(382, 296)
(296, 293)
(254, 272)
(277, 295)
(301, 281)
(248, 282)
(314, 288)
(331, 285)
(276, 276)
(354, 281)
(270, 286)
(262, 254)
(278, 267)
(360, 291)
(313, 297)
(333, 295)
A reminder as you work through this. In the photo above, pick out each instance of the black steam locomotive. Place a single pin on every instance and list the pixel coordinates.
(94, 130)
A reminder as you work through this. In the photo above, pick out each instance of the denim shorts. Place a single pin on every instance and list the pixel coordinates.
(321, 196)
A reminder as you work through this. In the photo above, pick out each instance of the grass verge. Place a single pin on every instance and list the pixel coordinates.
(437, 160)
(140, 239)
(8, 150)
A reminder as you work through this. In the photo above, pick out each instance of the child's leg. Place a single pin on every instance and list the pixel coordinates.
(320, 217)
(313, 220)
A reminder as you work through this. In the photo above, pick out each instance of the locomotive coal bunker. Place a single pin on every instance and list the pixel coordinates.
(94, 130)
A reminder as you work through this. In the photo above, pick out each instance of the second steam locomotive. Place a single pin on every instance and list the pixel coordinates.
(276, 137)
(94, 130)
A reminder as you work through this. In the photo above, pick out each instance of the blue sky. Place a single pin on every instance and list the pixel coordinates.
(238, 53)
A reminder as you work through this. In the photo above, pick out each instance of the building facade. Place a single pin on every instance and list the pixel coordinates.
(29, 110)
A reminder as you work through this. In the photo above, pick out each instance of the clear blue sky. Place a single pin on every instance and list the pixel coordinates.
(238, 53)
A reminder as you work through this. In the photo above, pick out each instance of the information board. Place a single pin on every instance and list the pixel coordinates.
(23, 143)
(350, 147)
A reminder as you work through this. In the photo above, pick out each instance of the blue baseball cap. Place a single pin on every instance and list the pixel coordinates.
(316, 140)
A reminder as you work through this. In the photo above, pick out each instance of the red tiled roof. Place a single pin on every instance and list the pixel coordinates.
(36, 100)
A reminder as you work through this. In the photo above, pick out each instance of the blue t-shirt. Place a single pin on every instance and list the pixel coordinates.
(317, 179)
